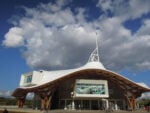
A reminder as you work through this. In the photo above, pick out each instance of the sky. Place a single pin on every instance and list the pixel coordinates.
(60, 34)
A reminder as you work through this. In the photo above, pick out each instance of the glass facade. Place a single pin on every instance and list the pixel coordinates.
(66, 91)
(91, 104)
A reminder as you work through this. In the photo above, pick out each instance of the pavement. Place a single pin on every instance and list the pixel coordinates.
(69, 111)
(14, 109)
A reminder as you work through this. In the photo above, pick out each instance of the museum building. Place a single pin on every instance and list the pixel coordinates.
(89, 87)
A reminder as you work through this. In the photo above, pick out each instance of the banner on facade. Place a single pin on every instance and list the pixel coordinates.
(91, 88)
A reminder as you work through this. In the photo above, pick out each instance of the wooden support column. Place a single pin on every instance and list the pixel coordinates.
(42, 101)
(133, 102)
(42, 104)
(46, 100)
(48, 103)
(20, 102)
(129, 104)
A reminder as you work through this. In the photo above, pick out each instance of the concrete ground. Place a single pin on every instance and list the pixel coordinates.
(66, 111)
(14, 109)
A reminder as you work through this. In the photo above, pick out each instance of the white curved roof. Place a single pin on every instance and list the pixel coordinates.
(93, 63)
(53, 75)
(143, 84)
(49, 76)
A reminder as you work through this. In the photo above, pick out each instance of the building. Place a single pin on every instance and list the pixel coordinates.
(91, 86)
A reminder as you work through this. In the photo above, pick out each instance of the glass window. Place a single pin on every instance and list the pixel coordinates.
(28, 79)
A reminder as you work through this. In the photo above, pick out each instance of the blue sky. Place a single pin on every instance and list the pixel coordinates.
(49, 35)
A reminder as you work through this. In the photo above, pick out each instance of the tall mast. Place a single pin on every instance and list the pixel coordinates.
(97, 46)
(94, 57)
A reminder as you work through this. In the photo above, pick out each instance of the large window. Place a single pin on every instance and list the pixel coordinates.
(91, 88)
(28, 79)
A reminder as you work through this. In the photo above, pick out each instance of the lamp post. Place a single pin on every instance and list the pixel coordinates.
(73, 104)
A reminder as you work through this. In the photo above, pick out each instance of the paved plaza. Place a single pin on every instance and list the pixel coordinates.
(26, 110)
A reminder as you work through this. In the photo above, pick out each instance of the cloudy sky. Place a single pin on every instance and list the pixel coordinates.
(51, 34)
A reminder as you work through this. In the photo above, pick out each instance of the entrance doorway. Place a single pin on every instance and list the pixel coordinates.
(100, 104)
(94, 105)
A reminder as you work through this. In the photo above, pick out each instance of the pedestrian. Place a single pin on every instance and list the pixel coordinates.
(5, 110)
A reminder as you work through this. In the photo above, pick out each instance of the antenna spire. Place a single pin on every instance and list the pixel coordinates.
(94, 57)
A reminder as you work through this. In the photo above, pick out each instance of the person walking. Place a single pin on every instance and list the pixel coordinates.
(5, 110)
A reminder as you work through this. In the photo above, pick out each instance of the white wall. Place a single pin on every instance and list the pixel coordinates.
(36, 78)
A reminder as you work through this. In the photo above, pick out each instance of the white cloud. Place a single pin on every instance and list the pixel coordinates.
(125, 9)
(144, 30)
(30, 96)
(131, 53)
(5, 93)
(144, 96)
(14, 37)
(55, 37)
(139, 8)
(55, 49)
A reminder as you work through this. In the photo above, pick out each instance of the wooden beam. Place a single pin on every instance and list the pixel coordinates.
(20, 102)
(46, 99)
(129, 104)
(133, 101)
